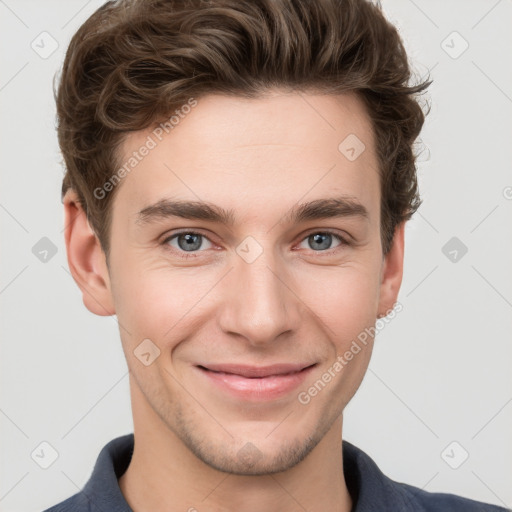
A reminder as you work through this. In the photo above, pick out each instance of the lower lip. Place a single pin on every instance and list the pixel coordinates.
(257, 389)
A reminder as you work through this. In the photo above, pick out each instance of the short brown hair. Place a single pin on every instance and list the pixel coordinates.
(134, 61)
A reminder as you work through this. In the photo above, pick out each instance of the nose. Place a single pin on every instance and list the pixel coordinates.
(259, 304)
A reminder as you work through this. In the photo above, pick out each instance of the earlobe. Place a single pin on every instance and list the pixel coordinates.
(86, 259)
(392, 272)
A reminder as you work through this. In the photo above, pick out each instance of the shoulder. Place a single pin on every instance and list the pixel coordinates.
(76, 503)
(371, 488)
(102, 492)
(445, 502)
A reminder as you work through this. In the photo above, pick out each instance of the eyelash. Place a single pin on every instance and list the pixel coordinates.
(185, 255)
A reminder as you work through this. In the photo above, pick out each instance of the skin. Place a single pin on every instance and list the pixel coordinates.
(294, 303)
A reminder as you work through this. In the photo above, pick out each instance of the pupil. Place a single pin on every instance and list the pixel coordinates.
(192, 242)
(325, 237)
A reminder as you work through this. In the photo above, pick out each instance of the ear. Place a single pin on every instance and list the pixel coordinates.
(86, 259)
(392, 272)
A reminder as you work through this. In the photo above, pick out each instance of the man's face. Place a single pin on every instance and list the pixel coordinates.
(266, 289)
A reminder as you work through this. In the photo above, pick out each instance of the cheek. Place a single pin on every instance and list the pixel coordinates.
(347, 306)
(344, 298)
(158, 303)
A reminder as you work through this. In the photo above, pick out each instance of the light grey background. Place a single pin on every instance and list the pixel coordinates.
(441, 369)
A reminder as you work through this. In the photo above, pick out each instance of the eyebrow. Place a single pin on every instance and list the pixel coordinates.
(337, 207)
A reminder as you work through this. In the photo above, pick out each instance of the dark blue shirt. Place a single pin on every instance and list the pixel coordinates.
(370, 489)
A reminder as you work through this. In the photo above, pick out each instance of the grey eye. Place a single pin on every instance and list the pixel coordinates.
(321, 241)
(187, 241)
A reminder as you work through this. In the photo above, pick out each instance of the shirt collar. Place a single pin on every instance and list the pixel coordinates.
(103, 489)
(370, 489)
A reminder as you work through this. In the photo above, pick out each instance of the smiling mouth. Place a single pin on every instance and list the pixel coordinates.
(252, 383)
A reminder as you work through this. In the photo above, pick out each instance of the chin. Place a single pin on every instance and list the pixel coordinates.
(253, 461)
(250, 455)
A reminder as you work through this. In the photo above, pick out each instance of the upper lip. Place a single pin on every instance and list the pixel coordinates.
(256, 371)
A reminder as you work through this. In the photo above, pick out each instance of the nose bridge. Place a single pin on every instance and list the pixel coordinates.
(260, 306)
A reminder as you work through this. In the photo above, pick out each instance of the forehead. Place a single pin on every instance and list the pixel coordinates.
(259, 151)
